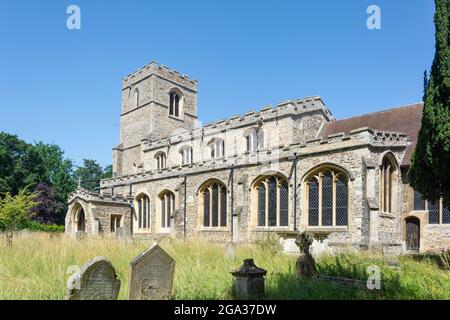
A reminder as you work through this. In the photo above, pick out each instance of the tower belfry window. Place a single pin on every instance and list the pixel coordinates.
(175, 104)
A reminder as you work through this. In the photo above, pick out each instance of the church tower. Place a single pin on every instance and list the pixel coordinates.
(156, 102)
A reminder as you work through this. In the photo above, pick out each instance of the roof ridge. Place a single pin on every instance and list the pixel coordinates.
(381, 111)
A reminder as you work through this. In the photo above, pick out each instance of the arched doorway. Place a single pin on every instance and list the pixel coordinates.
(81, 220)
(413, 234)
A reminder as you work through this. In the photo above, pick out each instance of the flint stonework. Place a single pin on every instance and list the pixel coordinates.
(300, 139)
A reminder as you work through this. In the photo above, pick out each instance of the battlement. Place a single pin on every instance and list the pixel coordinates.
(104, 197)
(286, 108)
(153, 68)
(363, 135)
(356, 138)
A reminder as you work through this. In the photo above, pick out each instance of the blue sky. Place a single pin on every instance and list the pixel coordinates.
(63, 86)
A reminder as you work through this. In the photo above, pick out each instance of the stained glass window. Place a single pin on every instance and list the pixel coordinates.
(419, 201)
(284, 204)
(341, 201)
(262, 205)
(333, 208)
(223, 207)
(214, 205)
(327, 199)
(273, 202)
(206, 207)
(446, 215)
(433, 212)
(313, 202)
(167, 199)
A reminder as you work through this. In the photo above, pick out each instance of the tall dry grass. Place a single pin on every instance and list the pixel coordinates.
(35, 267)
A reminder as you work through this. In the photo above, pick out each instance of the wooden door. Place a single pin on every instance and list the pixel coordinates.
(412, 234)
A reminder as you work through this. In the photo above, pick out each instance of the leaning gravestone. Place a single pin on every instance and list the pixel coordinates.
(97, 280)
(151, 275)
(230, 250)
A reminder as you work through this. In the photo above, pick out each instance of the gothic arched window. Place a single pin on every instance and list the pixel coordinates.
(217, 147)
(142, 208)
(437, 212)
(186, 155)
(254, 140)
(388, 183)
(136, 97)
(167, 202)
(175, 103)
(213, 200)
(272, 201)
(160, 160)
(327, 198)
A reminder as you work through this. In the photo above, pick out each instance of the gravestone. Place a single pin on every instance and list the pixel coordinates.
(151, 275)
(248, 282)
(25, 233)
(230, 250)
(96, 227)
(97, 280)
(305, 265)
(123, 233)
(80, 235)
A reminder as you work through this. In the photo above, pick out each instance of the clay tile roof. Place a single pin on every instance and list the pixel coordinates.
(406, 120)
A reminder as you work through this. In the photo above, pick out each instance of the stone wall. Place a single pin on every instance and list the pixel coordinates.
(292, 149)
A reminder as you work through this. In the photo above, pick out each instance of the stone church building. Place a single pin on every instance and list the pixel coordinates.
(277, 171)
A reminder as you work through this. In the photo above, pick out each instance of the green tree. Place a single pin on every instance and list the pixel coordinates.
(15, 211)
(59, 172)
(91, 173)
(429, 172)
(20, 164)
(107, 172)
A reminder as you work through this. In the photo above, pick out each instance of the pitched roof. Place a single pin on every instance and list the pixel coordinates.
(406, 120)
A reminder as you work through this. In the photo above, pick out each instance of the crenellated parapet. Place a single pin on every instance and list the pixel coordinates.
(289, 108)
(362, 137)
(91, 196)
(153, 68)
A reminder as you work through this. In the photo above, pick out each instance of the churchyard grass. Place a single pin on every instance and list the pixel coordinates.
(38, 266)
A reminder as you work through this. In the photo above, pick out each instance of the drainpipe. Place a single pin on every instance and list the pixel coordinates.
(131, 208)
(131, 216)
(295, 192)
(185, 202)
(232, 201)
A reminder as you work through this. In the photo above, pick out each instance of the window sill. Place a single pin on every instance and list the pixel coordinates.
(326, 229)
(215, 229)
(272, 229)
(176, 118)
(438, 225)
(387, 215)
(165, 231)
(144, 231)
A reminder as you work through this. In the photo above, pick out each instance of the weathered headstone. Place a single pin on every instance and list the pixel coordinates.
(96, 227)
(305, 265)
(123, 233)
(25, 233)
(230, 250)
(151, 275)
(80, 235)
(248, 282)
(97, 280)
